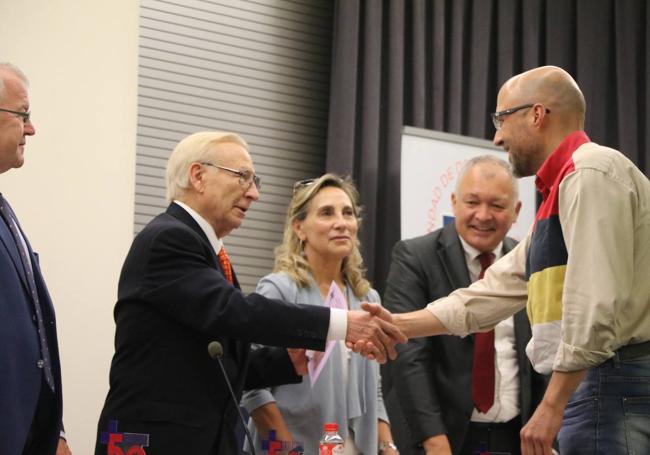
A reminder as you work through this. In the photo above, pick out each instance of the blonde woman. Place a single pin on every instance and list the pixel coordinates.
(320, 246)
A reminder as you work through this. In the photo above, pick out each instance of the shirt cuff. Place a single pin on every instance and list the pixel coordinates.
(338, 328)
(450, 314)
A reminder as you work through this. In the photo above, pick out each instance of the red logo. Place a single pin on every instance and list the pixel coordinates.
(123, 443)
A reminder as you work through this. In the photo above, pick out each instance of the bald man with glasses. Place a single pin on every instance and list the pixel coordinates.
(581, 273)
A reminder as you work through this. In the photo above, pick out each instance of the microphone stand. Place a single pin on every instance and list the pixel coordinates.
(216, 351)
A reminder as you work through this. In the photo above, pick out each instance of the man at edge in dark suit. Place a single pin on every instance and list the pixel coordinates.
(30, 372)
(177, 293)
(432, 404)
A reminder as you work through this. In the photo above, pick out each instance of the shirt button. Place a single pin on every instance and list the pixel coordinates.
(40, 363)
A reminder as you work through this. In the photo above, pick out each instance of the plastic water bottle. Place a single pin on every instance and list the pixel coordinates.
(331, 443)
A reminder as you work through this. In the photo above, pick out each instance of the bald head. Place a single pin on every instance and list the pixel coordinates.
(554, 88)
(536, 110)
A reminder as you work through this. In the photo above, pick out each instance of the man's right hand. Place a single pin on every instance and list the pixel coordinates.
(437, 445)
(373, 334)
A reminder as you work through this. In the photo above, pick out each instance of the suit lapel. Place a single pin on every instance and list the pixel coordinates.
(508, 244)
(451, 254)
(181, 214)
(12, 249)
(235, 348)
(235, 281)
(40, 287)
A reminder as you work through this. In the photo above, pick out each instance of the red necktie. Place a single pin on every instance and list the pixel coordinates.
(224, 261)
(483, 366)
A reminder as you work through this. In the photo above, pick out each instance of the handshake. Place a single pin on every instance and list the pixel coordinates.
(373, 332)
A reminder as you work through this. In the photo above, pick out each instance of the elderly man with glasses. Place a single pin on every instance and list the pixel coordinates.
(582, 274)
(178, 293)
(30, 371)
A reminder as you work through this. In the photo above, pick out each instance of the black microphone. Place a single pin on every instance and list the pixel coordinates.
(216, 352)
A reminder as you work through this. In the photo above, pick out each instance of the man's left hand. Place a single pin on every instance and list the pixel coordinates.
(299, 359)
(538, 434)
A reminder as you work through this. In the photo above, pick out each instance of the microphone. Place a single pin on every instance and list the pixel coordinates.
(215, 349)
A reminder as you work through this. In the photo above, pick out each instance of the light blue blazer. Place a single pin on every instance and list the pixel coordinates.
(356, 403)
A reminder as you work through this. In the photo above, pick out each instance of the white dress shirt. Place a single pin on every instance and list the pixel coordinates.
(506, 382)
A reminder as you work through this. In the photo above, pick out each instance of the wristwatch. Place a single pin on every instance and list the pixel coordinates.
(383, 445)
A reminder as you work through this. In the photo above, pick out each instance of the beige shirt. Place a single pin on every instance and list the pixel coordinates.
(604, 210)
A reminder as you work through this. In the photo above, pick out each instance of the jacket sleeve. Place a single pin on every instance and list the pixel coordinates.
(177, 277)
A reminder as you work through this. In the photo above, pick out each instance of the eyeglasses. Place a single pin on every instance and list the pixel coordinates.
(25, 115)
(301, 184)
(246, 177)
(498, 117)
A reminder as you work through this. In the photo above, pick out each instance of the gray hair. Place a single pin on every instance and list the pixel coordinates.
(492, 160)
(194, 148)
(6, 67)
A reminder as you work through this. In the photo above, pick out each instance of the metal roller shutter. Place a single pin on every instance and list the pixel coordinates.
(258, 68)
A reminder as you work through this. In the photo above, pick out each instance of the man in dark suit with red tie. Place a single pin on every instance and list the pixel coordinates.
(451, 395)
(30, 372)
(178, 292)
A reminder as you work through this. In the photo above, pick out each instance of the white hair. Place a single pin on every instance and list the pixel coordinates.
(493, 160)
(6, 67)
(194, 148)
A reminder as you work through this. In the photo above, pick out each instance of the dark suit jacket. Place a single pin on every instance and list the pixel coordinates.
(431, 378)
(20, 378)
(172, 301)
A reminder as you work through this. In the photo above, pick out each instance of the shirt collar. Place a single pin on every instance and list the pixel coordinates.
(556, 160)
(215, 241)
(471, 253)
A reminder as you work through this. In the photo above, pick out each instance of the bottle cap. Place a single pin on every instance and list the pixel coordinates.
(331, 427)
